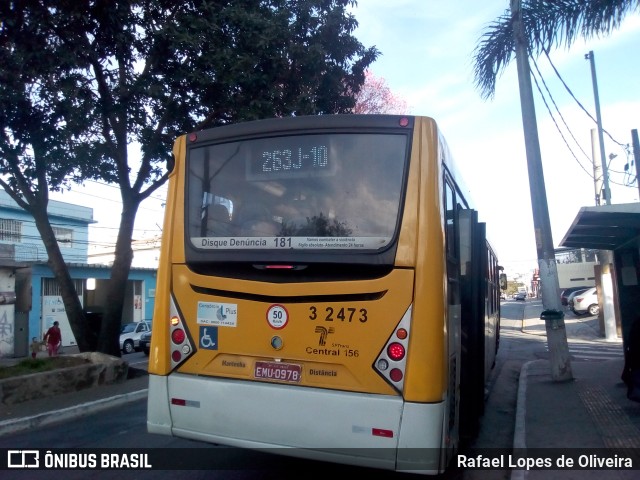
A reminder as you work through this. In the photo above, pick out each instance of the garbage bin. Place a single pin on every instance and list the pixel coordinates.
(553, 318)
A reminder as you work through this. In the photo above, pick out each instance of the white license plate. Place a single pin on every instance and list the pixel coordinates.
(284, 372)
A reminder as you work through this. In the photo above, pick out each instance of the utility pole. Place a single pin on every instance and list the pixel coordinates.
(636, 154)
(605, 168)
(605, 257)
(553, 315)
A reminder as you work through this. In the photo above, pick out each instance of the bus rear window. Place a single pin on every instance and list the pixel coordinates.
(304, 192)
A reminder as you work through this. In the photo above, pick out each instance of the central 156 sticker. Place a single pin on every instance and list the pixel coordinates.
(277, 316)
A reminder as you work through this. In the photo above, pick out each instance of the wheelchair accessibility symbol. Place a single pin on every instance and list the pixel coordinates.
(209, 337)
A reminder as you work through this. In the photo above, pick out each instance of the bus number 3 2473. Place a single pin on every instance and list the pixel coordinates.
(342, 314)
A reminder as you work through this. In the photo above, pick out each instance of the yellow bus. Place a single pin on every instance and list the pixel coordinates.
(325, 290)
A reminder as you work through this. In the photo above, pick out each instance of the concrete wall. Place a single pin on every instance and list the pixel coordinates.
(576, 274)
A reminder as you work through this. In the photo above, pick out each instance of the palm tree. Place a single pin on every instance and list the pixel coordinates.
(547, 23)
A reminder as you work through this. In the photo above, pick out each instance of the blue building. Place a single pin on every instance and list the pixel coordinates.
(30, 299)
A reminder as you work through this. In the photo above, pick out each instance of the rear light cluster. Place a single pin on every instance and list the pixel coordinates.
(392, 361)
(181, 347)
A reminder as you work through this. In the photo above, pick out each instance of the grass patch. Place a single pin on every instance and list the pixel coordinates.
(37, 365)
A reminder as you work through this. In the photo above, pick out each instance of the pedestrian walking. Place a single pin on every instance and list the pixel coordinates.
(53, 338)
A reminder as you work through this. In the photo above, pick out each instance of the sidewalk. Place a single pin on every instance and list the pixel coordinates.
(590, 415)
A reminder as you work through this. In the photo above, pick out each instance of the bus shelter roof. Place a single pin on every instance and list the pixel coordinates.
(604, 227)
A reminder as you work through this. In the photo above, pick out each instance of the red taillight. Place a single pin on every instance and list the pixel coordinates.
(391, 363)
(178, 336)
(180, 341)
(579, 299)
(395, 374)
(193, 137)
(395, 351)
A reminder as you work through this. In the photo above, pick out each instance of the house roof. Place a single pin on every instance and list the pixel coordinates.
(9, 263)
(97, 266)
(604, 227)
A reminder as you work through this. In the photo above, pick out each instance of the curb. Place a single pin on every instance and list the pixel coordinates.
(55, 416)
(519, 431)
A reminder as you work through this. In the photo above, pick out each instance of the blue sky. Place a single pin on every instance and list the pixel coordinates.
(426, 58)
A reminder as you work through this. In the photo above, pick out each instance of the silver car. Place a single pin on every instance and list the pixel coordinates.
(130, 334)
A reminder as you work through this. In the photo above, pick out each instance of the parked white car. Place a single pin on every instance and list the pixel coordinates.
(586, 302)
(572, 296)
(130, 334)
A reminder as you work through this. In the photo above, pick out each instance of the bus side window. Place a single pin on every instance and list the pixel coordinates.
(451, 239)
(450, 213)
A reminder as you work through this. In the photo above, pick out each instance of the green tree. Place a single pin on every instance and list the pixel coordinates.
(513, 287)
(83, 80)
(547, 23)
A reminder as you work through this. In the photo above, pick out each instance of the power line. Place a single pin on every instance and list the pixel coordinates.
(117, 200)
(577, 101)
(74, 227)
(624, 147)
(535, 79)
(154, 196)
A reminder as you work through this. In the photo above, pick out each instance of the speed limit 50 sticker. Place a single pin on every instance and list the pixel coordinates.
(277, 316)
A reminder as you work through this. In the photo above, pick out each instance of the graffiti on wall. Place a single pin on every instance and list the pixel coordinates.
(7, 330)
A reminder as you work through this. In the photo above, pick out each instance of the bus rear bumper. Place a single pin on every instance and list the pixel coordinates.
(342, 427)
(158, 413)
